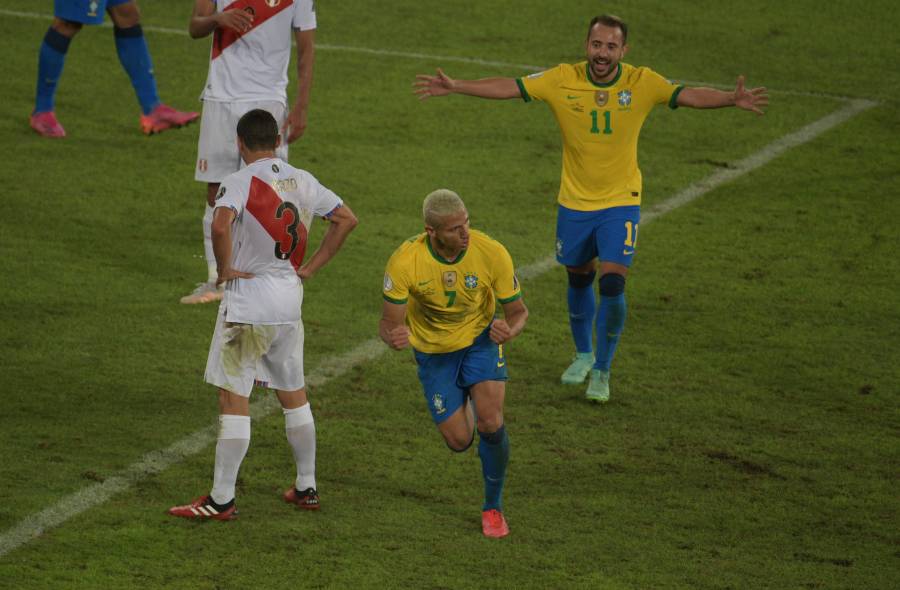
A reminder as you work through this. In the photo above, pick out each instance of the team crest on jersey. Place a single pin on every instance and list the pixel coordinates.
(471, 280)
(437, 401)
(624, 98)
(221, 193)
(450, 279)
(388, 282)
(273, 3)
(601, 97)
(92, 8)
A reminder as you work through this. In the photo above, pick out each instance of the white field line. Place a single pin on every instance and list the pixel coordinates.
(420, 56)
(157, 461)
(323, 46)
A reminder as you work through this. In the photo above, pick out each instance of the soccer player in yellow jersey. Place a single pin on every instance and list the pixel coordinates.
(600, 105)
(441, 290)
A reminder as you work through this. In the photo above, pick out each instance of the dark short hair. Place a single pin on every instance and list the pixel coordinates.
(258, 130)
(609, 20)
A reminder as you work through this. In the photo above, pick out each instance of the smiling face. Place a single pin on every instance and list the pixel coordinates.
(605, 48)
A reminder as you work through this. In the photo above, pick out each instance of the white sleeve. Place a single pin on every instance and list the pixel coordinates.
(322, 200)
(304, 15)
(231, 195)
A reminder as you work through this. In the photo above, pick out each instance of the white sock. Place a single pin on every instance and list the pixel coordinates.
(234, 439)
(301, 434)
(207, 245)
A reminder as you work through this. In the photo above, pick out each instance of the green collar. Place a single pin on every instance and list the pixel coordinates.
(587, 70)
(440, 258)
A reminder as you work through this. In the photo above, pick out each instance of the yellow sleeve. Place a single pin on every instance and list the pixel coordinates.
(540, 85)
(506, 285)
(662, 90)
(396, 280)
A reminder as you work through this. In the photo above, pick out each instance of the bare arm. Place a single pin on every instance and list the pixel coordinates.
(296, 122)
(710, 98)
(514, 316)
(223, 217)
(392, 327)
(341, 223)
(205, 19)
(442, 84)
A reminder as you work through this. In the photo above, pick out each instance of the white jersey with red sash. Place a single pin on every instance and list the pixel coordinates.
(252, 66)
(274, 203)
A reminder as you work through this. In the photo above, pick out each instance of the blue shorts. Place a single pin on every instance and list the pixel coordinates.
(87, 12)
(447, 377)
(607, 234)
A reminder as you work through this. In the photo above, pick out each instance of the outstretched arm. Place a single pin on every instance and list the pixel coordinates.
(392, 327)
(205, 19)
(709, 98)
(442, 84)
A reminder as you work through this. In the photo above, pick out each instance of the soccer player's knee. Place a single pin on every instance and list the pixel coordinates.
(125, 15)
(459, 445)
(580, 280)
(612, 284)
(490, 422)
(66, 28)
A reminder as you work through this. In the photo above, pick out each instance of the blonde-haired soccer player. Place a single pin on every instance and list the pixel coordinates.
(441, 291)
(600, 105)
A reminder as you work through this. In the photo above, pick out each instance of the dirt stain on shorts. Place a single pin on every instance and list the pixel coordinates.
(244, 345)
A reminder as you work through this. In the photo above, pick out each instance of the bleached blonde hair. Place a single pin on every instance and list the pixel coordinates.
(439, 204)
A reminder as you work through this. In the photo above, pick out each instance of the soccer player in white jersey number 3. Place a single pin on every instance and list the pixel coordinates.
(259, 231)
(248, 64)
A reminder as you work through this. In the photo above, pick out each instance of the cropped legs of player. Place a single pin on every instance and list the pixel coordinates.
(231, 448)
(131, 47)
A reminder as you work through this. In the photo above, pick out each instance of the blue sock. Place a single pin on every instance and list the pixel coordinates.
(493, 448)
(51, 60)
(610, 321)
(582, 306)
(135, 58)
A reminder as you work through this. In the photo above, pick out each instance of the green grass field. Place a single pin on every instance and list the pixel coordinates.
(752, 438)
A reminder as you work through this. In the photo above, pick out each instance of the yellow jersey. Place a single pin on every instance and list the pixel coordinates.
(449, 303)
(600, 124)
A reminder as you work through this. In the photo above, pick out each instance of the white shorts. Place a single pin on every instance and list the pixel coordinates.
(217, 151)
(241, 354)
